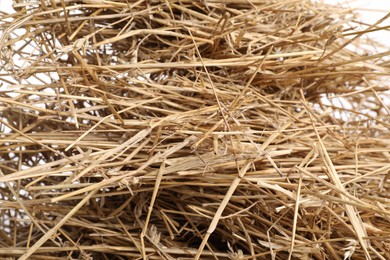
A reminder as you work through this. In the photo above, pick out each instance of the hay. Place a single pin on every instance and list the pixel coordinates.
(192, 130)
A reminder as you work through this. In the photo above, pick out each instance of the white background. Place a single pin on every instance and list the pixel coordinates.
(370, 11)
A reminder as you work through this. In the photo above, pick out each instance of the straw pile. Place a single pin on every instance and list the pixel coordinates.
(192, 130)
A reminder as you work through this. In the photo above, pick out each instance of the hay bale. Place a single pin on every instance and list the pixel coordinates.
(191, 130)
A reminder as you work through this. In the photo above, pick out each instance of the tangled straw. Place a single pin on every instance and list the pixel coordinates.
(192, 130)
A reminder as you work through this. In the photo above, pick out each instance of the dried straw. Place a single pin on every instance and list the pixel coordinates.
(192, 130)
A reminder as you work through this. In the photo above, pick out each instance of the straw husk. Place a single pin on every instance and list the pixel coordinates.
(192, 130)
